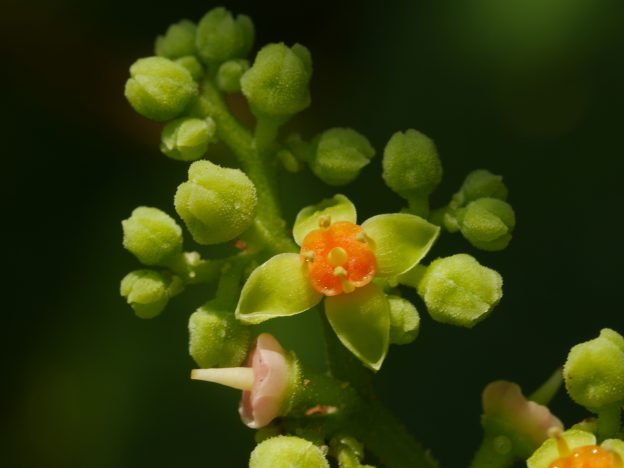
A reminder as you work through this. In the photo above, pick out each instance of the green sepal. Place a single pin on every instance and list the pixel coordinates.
(220, 37)
(400, 241)
(187, 139)
(361, 320)
(159, 89)
(411, 166)
(287, 452)
(230, 73)
(152, 236)
(216, 338)
(339, 155)
(279, 287)
(149, 291)
(277, 84)
(178, 41)
(217, 204)
(480, 183)
(404, 320)
(193, 66)
(487, 223)
(548, 451)
(337, 208)
(594, 371)
(459, 291)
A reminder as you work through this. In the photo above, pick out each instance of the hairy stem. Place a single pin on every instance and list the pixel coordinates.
(261, 170)
(493, 453)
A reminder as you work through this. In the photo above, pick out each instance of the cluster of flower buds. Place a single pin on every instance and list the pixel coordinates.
(479, 210)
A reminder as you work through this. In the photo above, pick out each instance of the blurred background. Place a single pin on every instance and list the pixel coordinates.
(531, 89)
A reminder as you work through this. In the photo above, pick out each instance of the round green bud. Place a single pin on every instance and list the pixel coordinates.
(487, 223)
(148, 292)
(459, 291)
(217, 339)
(220, 37)
(178, 41)
(277, 83)
(594, 371)
(287, 452)
(159, 89)
(411, 166)
(193, 66)
(404, 320)
(229, 75)
(187, 139)
(339, 154)
(217, 204)
(152, 236)
(480, 184)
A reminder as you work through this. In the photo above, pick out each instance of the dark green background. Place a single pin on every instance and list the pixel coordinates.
(532, 89)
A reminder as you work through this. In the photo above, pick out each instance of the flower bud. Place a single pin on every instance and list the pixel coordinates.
(148, 291)
(506, 411)
(339, 155)
(217, 339)
(178, 41)
(404, 320)
(594, 371)
(487, 223)
(411, 166)
(480, 184)
(287, 452)
(187, 139)
(152, 236)
(159, 89)
(277, 83)
(229, 75)
(459, 291)
(193, 66)
(220, 37)
(217, 204)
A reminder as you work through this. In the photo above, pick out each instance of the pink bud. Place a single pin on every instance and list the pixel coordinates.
(272, 378)
(504, 401)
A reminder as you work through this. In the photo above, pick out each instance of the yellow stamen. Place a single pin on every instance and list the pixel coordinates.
(340, 271)
(324, 221)
(309, 256)
(361, 236)
(347, 286)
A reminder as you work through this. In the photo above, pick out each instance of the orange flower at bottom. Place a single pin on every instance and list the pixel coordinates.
(589, 456)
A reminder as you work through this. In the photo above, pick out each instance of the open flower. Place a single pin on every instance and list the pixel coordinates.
(576, 449)
(338, 261)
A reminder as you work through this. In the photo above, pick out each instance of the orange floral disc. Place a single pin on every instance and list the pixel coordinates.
(339, 258)
(590, 456)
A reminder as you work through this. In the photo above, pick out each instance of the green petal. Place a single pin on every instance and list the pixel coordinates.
(361, 320)
(338, 208)
(548, 452)
(401, 240)
(277, 288)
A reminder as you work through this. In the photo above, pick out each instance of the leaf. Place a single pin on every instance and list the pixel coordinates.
(279, 287)
(338, 208)
(361, 320)
(400, 240)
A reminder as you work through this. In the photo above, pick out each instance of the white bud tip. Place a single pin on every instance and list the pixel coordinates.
(241, 378)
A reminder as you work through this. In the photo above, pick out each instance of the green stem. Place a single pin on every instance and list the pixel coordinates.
(269, 223)
(546, 392)
(609, 420)
(495, 452)
(388, 440)
(265, 136)
(343, 365)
